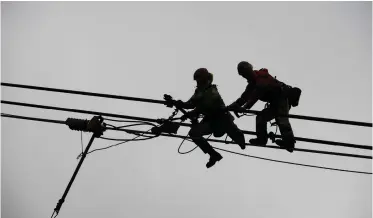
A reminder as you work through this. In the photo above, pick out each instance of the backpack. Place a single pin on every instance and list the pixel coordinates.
(294, 95)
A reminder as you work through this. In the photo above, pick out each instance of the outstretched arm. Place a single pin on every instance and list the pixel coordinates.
(243, 98)
(190, 104)
(253, 98)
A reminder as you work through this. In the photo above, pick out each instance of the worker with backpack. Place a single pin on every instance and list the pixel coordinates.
(279, 98)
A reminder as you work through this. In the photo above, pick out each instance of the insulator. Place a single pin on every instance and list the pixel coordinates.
(96, 126)
(77, 124)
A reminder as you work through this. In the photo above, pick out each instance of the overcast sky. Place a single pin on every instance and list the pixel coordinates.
(147, 49)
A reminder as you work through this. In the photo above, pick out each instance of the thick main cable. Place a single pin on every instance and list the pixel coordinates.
(212, 140)
(181, 124)
(292, 163)
(320, 119)
(83, 93)
(267, 146)
(61, 122)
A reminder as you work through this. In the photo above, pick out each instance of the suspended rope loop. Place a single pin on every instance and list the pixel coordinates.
(185, 138)
(178, 150)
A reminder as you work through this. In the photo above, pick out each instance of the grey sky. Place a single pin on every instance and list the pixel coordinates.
(147, 49)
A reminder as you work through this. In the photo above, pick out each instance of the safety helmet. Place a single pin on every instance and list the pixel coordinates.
(244, 66)
(203, 74)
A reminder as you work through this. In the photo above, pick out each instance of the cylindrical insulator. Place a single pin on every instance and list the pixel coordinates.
(77, 124)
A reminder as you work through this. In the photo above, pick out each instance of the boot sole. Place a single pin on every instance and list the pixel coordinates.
(216, 160)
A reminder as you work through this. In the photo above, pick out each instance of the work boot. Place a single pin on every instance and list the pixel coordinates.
(258, 141)
(242, 146)
(213, 159)
(286, 144)
(241, 142)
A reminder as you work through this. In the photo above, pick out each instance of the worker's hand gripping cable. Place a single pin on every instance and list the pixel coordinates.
(167, 125)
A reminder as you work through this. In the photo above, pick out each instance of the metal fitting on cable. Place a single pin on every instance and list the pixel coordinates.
(166, 127)
(169, 100)
(94, 125)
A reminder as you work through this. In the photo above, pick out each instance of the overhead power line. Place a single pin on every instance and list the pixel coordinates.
(305, 165)
(214, 140)
(83, 93)
(177, 136)
(267, 146)
(347, 122)
(182, 124)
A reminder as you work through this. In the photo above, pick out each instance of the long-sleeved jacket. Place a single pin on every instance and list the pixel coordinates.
(206, 101)
(263, 87)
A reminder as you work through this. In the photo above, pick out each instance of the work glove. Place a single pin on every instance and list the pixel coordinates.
(184, 117)
(191, 114)
(232, 106)
(236, 109)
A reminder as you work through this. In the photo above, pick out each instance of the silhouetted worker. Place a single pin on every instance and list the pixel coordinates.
(208, 102)
(262, 86)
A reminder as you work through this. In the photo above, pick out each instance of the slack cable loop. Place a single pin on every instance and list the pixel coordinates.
(124, 141)
(186, 138)
(98, 149)
(178, 150)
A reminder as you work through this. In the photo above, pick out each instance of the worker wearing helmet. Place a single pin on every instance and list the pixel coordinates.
(208, 102)
(262, 86)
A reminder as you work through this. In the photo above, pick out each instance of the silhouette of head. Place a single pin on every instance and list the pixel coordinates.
(203, 77)
(245, 69)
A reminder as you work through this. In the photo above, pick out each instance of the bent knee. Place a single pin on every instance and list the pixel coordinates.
(194, 132)
(261, 118)
(283, 121)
